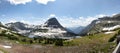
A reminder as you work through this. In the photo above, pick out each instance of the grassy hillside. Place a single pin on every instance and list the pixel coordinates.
(96, 43)
(2, 51)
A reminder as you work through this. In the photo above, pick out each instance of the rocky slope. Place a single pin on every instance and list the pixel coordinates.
(102, 24)
(20, 27)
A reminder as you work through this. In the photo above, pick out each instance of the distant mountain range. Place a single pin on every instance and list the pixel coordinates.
(76, 30)
(53, 29)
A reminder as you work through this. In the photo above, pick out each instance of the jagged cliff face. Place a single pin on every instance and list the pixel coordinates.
(102, 24)
(52, 22)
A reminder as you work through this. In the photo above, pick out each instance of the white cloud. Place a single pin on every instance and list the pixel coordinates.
(52, 15)
(76, 22)
(24, 21)
(64, 20)
(45, 2)
(33, 23)
(101, 15)
(114, 14)
(12, 21)
(16, 2)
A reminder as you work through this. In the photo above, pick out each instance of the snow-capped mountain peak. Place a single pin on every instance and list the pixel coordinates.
(51, 28)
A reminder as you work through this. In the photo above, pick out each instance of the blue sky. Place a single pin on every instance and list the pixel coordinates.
(68, 12)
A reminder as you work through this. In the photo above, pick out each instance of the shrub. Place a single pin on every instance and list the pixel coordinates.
(30, 41)
(59, 42)
(112, 38)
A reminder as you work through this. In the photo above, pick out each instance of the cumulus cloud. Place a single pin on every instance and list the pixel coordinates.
(45, 2)
(12, 21)
(81, 21)
(16, 2)
(76, 22)
(64, 20)
(114, 14)
(33, 23)
(26, 21)
(101, 15)
(67, 21)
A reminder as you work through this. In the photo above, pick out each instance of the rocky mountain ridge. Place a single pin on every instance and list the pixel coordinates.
(51, 28)
(102, 24)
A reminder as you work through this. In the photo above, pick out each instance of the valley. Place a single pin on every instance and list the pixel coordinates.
(90, 44)
(51, 37)
(59, 26)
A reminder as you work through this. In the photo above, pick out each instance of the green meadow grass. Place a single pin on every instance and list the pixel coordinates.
(94, 43)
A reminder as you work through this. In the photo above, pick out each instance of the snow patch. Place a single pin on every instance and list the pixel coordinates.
(30, 26)
(97, 22)
(3, 28)
(109, 21)
(111, 28)
(8, 33)
(51, 33)
(108, 32)
(23, 31)
(7, 47)
(57, 31)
